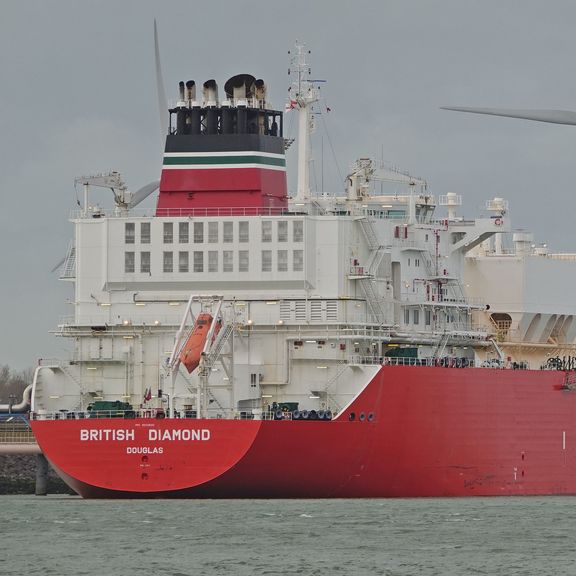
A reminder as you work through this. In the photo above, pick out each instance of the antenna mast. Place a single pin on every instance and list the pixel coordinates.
(303, 94)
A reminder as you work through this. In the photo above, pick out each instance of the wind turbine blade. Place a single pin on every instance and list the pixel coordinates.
(143, 193)
(58, 265)
(162, 103)
(551, 116)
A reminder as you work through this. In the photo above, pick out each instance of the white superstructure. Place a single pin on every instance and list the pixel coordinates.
(313, 299)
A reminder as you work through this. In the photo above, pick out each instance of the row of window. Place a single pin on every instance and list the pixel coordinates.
(416, 316)
(215, 261)
(449, 316)
(213, 231)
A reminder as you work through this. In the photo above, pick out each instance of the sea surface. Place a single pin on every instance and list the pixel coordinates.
(64, 535)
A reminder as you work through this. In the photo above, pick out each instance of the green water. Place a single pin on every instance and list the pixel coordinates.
(497, 536)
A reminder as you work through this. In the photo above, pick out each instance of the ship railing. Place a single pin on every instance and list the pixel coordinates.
(506, 364)
(457, 222)
(104, 319)
(24, 434)
(49, 362)
(311, 414)
(156, 413)
(445, 362)
(14, 429)
(191, 212)
(230, 102)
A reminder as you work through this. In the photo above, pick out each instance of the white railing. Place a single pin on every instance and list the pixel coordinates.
(446, 362)
(156, 413)
(160, 414)
(187, 212)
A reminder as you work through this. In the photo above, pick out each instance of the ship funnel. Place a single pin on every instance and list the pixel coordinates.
(210, 93)
(181, 118)
(240, 87)
(260, 92)
(190, 91)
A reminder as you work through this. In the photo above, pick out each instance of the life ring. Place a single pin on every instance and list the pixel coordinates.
(498, 222)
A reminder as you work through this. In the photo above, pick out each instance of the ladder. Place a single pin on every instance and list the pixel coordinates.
(376, 254)
(374, 303)
(441, 345)
(215, 350)
(69, 268)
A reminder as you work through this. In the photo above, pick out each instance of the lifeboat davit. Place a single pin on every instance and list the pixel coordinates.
(192, 350)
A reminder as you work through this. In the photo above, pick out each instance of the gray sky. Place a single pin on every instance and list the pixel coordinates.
(78, 96)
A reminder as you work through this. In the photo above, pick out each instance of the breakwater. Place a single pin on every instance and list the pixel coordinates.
(18, 476)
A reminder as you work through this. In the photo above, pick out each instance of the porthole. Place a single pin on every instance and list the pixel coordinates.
(362, 416)
(352, 416)
(370, 416)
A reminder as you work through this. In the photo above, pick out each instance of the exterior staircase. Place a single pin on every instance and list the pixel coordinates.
(370, 270)
(69, 267)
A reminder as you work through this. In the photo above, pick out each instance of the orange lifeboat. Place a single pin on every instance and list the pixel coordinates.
(190, 355)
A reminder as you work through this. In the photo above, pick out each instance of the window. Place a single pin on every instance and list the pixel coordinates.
(182, 261)
(168, 262)
(282, 231)
(198, 261)
(298, 230)
(228, 260)
(212, 261)
(228, 232)
(129, 259)
(266, 260)
(183, 232)
(427, 317)
(198, 232)
(145, 262)
(416, 316)
(129, 232)
(266, 231)
(168, 233)
(213, 232)
(243, 261)
(298, 260)
(406, 316)
(282, 260)
(243, 234)
(145, 232)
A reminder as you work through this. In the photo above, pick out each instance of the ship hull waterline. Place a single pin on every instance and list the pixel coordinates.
(416, 432)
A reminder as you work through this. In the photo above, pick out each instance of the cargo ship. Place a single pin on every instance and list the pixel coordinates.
(240, 343)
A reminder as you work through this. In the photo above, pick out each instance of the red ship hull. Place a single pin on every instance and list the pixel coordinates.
(417, 431)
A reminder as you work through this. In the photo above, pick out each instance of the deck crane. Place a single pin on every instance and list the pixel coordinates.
(113, 180)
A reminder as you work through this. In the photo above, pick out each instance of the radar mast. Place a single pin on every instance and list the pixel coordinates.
(303, 94)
